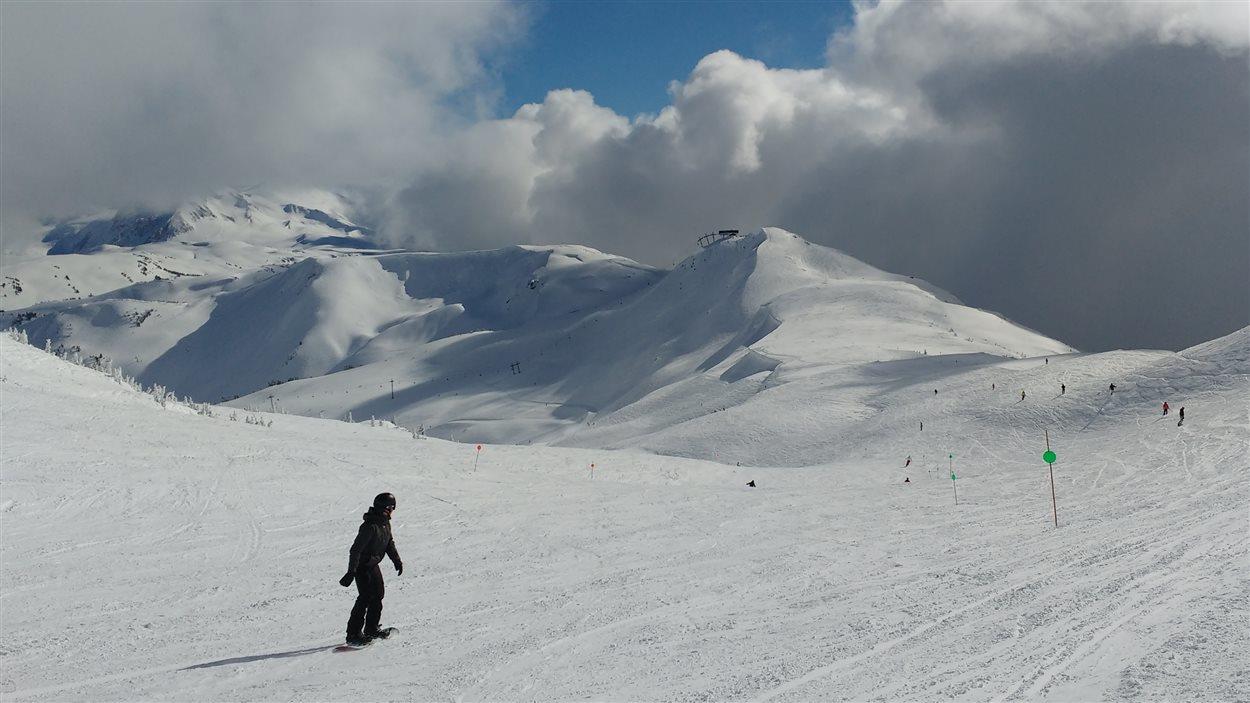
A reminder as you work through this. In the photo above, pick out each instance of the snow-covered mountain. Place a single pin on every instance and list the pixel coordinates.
(557, 344)
(232, 216)
(222, 236)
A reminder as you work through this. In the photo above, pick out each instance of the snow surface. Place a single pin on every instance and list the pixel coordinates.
(150, 553)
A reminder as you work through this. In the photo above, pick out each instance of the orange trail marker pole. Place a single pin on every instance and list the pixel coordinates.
(592, 472)
(476, 457)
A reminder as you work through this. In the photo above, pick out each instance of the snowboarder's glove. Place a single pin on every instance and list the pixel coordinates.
(346, 580)
(399, 568)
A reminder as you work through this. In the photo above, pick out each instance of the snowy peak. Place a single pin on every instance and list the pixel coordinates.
(238, 216)
(780, 261)
(227, 235)
(844, 311)
(133, 230)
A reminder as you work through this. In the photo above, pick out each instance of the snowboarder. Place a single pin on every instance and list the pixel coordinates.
(1113, 389)
(1182, 414)
(1165, 407)
(908, 462)
(751, 483)
(1062, 389)
(373, 541)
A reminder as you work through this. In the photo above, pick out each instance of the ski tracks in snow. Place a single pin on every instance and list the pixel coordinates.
(484, 688)
(1073, 615)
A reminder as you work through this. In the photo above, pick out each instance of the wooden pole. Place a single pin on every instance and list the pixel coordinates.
(951, 466)
(1054, 504)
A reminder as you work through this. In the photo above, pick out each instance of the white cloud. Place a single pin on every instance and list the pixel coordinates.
(907, 40)
(108, 104)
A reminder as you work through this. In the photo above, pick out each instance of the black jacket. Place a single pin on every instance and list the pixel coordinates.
(372, 542)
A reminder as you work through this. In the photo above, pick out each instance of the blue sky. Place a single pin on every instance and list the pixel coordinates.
(626, 53)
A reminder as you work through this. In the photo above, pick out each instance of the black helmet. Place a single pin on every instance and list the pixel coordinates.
(384, 500)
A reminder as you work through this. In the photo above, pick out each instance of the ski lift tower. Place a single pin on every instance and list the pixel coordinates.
(709, 239)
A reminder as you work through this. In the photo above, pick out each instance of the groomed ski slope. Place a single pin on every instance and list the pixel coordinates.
(149, 553)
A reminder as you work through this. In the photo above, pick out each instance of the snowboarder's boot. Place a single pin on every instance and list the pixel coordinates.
(358, 640)
(380, 634)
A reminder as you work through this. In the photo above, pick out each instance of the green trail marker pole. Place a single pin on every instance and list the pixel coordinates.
(1049, 457)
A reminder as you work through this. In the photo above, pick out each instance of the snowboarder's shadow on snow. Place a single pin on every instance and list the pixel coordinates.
(260, 657)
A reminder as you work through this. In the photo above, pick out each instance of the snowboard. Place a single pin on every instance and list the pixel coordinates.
(382, 634)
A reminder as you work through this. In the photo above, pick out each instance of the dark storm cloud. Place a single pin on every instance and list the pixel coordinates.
(1107, 206)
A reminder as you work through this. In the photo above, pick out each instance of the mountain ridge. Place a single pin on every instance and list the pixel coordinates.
(530, 343)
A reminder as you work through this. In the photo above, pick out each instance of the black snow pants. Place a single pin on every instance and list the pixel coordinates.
(368, 609)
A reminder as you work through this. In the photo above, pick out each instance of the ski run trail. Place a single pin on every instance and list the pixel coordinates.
(151, 553)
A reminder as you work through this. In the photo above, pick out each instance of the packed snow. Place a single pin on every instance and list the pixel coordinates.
(151, 552)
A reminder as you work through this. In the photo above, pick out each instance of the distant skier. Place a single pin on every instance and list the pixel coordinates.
(993, 386)
(1165, 407)
(908, 462)
(907, 479)
(1062, 389)
(1182, 414)
(934, 391)
(751, 483)
(1048, 361)
(1113, 389)
(1022, 396)
(373, 541)
(922, 425)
